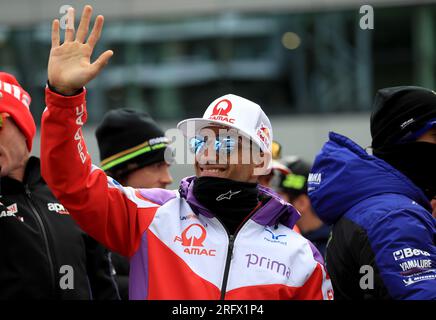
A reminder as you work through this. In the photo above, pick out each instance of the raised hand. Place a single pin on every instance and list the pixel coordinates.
(69, 64)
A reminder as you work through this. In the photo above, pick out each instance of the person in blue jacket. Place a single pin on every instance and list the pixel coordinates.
(383, 237)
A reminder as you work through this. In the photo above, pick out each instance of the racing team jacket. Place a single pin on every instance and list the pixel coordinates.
(383, 243)
(177, 248)
(44, 254)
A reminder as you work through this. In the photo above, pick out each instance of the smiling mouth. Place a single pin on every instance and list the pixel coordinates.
(212, 171)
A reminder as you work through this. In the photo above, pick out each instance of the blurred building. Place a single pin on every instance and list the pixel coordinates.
(307, 62)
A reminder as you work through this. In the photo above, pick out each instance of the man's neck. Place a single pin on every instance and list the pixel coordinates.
(18, 174)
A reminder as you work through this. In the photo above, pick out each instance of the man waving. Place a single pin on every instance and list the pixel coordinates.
(221, 235)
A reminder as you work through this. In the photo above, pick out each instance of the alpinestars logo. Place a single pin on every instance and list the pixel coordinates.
(192, 238)
(228, 195)
(58, 208)
(221, 111)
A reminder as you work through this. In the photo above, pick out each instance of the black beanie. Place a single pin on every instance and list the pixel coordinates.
(400, 111)
(129, 140)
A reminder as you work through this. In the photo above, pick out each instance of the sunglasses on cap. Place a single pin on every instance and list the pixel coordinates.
(224, 145)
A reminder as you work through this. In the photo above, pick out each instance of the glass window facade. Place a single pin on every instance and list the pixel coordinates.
(290, 63)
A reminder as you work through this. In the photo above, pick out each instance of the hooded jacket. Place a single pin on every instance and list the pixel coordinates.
(176, 247)
(383, 238)
(44, 253)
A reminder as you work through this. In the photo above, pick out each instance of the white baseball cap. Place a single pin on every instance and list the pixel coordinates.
(238, 113)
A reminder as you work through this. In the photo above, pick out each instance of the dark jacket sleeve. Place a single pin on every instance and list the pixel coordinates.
(100, 271)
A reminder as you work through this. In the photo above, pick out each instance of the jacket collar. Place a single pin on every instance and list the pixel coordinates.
(273, 211)
(344, 174)
(32, 175)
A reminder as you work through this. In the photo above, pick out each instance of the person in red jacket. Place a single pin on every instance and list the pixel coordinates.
(219, 236)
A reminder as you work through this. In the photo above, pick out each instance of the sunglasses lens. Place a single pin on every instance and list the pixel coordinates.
(226, 145)
(196, 144)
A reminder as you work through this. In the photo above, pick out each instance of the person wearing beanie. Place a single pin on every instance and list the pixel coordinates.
(132, 151)
(383, 236)
(292, 187)
(403, 127)
(219, 236)
(44, 255)
(14, 109)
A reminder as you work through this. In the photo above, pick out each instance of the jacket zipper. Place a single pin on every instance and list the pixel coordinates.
(230, 252)
(227, 267)
(230, 249)
(44, 233)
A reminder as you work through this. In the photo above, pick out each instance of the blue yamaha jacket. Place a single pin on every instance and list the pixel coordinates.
(383, 237)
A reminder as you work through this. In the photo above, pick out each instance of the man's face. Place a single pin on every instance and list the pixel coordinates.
(429, 136)
(13, 148)
(238, 165)
(156, 175)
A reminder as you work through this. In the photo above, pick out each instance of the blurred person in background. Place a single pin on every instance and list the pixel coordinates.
(292, 187)
(132, 151)
(277, 167)
(379, 204)
(220, 236)
(44, 255)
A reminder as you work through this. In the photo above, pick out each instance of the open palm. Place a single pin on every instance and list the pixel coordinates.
(69, 65)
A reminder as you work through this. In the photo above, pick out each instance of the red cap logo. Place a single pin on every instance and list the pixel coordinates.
(221, 111)
(222, 108)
